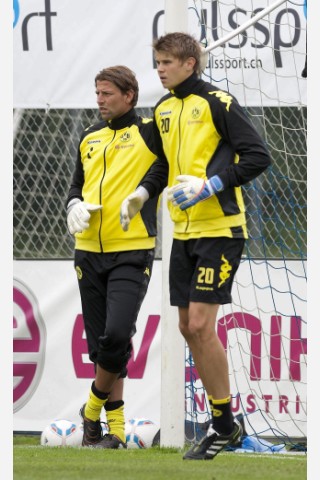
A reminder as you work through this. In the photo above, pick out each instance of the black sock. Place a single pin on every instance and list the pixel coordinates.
(222, 417)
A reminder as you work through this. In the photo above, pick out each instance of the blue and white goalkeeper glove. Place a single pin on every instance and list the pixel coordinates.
(192, 190)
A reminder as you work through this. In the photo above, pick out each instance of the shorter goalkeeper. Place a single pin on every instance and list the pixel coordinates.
(207, 148)
(113, 268)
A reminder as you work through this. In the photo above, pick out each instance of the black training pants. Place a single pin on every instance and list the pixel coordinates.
(112, 288)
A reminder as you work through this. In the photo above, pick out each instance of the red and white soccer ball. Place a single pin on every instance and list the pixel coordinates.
(140, 432)
(62, 433)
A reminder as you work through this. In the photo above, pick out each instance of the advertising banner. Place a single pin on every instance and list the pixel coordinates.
(267, 351)
(59, 47)
(52, 371)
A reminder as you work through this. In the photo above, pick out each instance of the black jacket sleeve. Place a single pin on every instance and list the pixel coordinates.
(77, 181)
(156, 179)
(237, 131)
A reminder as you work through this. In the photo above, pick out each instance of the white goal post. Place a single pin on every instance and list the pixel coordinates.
(172, 402)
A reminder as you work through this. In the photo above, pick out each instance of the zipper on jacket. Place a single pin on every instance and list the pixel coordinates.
(100, 189)
(178, 159)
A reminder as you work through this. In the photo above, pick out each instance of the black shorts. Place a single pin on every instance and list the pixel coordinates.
(202, 270)
(112, 287)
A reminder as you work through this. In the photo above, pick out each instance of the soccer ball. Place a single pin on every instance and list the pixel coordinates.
(61, 433)
(140, 432)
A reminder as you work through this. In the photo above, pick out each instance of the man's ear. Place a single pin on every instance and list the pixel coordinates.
(190, 63)
(129, 96)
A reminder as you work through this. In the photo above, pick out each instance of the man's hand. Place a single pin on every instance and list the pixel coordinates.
(78, 215)
(192, 190)
(132, 205)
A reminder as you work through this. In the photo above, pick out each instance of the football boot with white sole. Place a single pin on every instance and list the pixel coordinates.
(213, 443)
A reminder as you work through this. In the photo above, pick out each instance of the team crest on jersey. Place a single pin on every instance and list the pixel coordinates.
(125, 137)
(195, 116)
(195, 113)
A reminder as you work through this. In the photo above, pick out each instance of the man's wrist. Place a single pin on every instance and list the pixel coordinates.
(215, 184)
(71, 203)
(143, 193)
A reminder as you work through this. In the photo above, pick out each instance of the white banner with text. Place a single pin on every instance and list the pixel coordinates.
(60, 46)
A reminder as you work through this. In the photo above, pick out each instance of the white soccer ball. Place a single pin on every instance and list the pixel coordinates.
(140, 432)
(62, 433)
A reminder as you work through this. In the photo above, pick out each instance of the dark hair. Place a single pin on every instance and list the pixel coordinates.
(181, 46)
(122, 77)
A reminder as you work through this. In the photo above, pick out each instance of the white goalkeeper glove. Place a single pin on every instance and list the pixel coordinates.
(132, 205)
(192, 190)
(78, 215)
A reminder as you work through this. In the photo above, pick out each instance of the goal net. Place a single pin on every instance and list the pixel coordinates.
(264, 329)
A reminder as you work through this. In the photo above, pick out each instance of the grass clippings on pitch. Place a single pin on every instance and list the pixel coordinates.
(31, 461)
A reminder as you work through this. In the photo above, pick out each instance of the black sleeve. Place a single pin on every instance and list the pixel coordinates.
(156, 179)
(237, 130)
(146, 132)
(75, 190)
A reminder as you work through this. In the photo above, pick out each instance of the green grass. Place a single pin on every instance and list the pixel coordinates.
(34, 462)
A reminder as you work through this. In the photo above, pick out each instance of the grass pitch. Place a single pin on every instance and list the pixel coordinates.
(31, 461)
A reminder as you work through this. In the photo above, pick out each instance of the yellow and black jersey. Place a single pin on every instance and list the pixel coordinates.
(202, 131)
(113, 158)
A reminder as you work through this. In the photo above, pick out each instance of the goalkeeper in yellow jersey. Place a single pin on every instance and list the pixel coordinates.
(113, 268)
(207, 148)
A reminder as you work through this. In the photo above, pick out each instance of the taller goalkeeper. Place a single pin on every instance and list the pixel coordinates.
(207, 148)
(113, 268)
